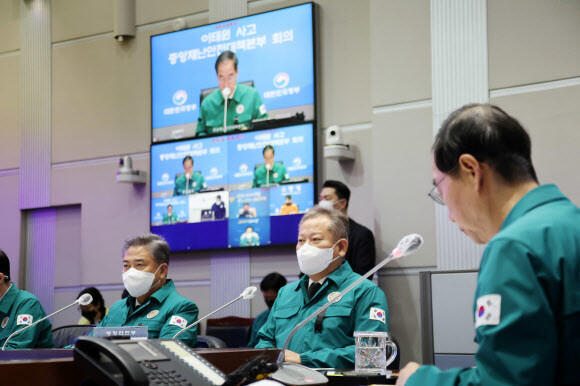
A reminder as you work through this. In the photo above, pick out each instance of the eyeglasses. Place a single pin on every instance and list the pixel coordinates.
(435, 195)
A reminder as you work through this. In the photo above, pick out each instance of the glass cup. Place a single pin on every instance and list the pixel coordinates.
(371, 352)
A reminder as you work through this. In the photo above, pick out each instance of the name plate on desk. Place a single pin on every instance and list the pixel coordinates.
(130, 332)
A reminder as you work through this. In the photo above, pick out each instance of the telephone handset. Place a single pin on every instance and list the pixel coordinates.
(144, 362)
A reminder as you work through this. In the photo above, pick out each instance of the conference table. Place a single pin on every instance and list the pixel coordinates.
(56, 367)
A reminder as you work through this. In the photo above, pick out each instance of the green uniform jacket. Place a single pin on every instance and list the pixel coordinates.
(18, 309)
(533, 264)
(156, 314)
(277, 175)
(196, 182)
(333, 346)
(258, 323)
(245, 106)
(252, 241)
(169, 219)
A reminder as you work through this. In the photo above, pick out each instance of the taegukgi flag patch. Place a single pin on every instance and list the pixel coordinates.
(178, 321)
(488, 310)
(24, 319)
(378, 314)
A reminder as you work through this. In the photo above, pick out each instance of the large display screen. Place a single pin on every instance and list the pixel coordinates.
(274, 79)
(235, 190)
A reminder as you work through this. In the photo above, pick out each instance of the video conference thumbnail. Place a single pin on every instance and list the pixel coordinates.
(274, 52)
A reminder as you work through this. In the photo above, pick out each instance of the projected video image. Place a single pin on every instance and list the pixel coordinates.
(265, 73)
(262, 178)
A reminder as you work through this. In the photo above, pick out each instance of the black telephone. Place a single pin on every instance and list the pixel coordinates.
(144, 362)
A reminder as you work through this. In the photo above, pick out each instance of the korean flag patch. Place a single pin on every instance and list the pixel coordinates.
(24, 319)
(262, 109)
(488, 310)
(378, 314)
(178, 321)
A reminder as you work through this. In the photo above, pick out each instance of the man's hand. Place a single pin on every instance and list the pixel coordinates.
(406, 372)
(291, 357)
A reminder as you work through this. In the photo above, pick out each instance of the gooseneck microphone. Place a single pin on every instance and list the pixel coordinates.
(247, 294)
(83, 300)
(226, 93)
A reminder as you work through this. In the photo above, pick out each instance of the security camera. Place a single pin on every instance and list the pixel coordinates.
(127, 174)
(334, 135)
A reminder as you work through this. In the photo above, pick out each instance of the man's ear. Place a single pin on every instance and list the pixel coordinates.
(342, 247)
(163, 269)
(471, 170)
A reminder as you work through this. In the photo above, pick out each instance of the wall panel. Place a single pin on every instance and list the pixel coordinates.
(10, 111)
(9, 25)
(149, 11)
(401, 148)
(551, 118)
(400, 58)
(10, 225)
(81, 18)
(532, 41)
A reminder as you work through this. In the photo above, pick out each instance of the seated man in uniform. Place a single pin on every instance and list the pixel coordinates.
(247, 211)
(249, 238)
(271, 172)
(19, 309)
(527, 300)
(169, 217)
(153, 300)
(325, 341)
(188, 182)
(244, 102)
(289, 207)
(270, 285)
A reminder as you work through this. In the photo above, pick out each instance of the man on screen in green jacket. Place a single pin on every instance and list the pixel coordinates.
(527, 301)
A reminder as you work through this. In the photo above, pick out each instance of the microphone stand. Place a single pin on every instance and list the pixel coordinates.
(35, 323)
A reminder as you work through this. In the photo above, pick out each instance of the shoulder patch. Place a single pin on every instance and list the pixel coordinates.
(4, 322)
(378, 314)
(24, 319)
(262, 109)
(152, 314)
(488, 310)
(178, 321)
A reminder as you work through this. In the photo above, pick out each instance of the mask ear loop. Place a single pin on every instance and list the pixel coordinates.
(154, 275)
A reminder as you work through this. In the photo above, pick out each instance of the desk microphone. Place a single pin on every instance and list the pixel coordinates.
(226, 93)
(248, 293)
(290, 373)
(83, 300)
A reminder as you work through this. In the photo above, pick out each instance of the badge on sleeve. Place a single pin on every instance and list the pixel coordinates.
(262, 109)
(240, 109)
(178, 321)
(488, 310)
(24, 319)
(378, 314)
(4, 322)
(152, 314)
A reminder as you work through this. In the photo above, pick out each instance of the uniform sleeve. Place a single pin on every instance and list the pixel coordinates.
(267, 334)
(202, 182)
(201, 129)
(364, 253)
(175, 189)
(285, 175)
(260, 110)
(30, 338)
(371, 300)
(189, 312)
(518, 344)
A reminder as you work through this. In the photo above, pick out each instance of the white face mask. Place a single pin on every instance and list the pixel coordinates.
(327, 204)
(313, 260)
(138, 282)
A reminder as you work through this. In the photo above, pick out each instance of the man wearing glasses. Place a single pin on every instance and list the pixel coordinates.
(527, 301)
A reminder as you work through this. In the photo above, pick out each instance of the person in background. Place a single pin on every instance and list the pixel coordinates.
(527, 299)
(326, 341)
(153, 300)
(94, 312)
(19, 309)
(249, 238)
(270, 173)
(270, 285)
(247, 211)
(189, 182)
(169, 217)
(361, 252)
(218, 208)
(289, 207)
